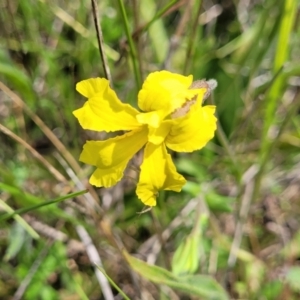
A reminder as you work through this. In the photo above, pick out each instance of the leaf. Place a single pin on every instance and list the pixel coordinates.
(157, 32)
(16, 240)
(292, 278)
(215, 202)
(292, 250)
(16, 78)
(218, 202)
(190, 167)
(186, 257)
(203, 286)
(198, 285)
(192, 188)
(20, 220)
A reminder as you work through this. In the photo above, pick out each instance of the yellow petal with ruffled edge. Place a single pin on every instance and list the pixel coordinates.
(104, 111)
(194, 130)
(92, 86)
(157, 173)
(161, 94)
(111, 156)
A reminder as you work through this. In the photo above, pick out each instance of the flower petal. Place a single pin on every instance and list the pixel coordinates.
(157, 136)
(158, 172)
(152, 118)
(111, 156)
(194, 130)
(90, 87)
(162, 93)
(104, 111)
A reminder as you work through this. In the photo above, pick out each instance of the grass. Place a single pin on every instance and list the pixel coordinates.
(232, 233)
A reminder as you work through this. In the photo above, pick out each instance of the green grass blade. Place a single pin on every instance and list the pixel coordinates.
(159, 14)
(20, 220)
(281, 56)
(37, 206)
(157, 32)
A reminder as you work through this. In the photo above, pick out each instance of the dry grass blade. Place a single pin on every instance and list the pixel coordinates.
(46, 130)
(95, 258)
(35, 154)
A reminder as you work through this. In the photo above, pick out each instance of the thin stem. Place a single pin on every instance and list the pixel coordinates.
(159, 231)
(248, 180)
(224, 142)
(105, 66)
(177, 36)
(192, 38)
(163, 12)
(272, 145)
(281, 56)
(137, 38)
(131, 45)
(159, 14)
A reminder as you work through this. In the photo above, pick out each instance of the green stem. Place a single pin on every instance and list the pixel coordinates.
(276, 91)
(281, 56)
(159, 14)
(131, 45)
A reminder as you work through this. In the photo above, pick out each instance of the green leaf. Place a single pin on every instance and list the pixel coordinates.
(157, 32)
(16, 78)
(186, 257)
(20, 220)
(192, 188)
(292, 278)
(191, 168)
(198, 285)
(271, 290)
(218, 202)
(215, 202)
(292, 250)
(203, 286)
(16, 240)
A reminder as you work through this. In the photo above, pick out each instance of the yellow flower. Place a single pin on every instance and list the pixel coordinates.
(172, 117)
